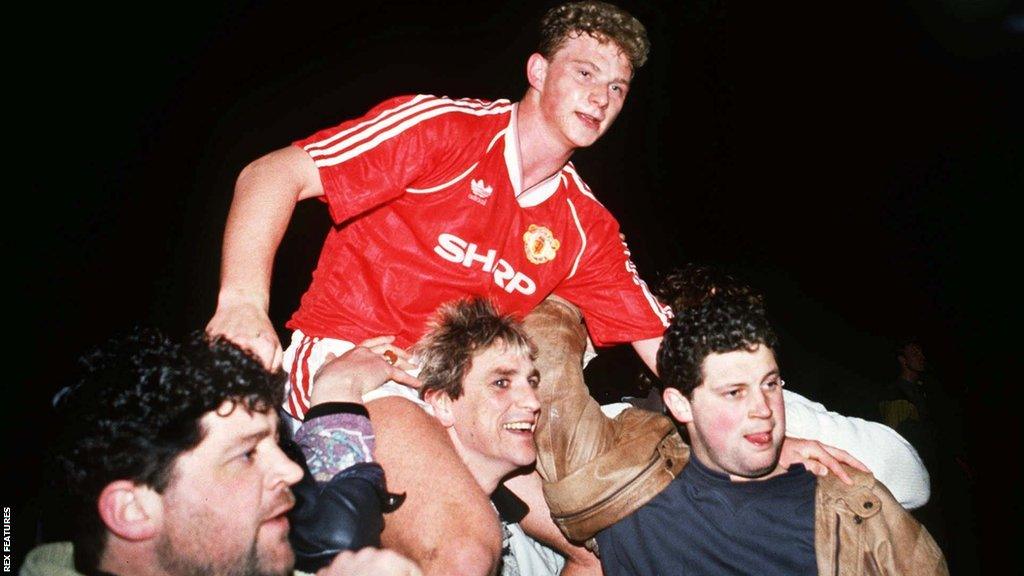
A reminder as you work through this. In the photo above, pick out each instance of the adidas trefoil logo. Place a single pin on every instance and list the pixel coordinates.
(480, 191)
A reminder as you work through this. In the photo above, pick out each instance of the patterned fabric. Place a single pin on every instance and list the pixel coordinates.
(334, 442)
(509, 565)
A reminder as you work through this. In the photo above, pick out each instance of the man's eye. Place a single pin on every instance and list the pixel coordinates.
(584, 74)
(773, 385)
(534, 383)
(250, 456)
(734, 393)
(501, 383)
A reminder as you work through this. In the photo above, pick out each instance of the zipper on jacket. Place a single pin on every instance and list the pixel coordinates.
(835, 560)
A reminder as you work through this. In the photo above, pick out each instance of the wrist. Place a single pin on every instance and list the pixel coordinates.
(335, 388)
(234, 296)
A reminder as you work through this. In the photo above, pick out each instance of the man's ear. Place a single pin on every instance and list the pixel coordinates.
(442, 405)
(536, 71)
(130, 511)
(678, 405)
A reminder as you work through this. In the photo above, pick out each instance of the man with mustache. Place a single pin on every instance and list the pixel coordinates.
(171, 463)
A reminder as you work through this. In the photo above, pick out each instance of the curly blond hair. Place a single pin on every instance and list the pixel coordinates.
(603, 21)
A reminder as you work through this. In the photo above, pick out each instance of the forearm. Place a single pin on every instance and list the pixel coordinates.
(265, 196)
(648, 352)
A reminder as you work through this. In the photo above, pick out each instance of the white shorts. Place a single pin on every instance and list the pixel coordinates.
(305, 355)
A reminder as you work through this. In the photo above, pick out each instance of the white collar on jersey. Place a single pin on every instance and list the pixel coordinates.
(540, 191)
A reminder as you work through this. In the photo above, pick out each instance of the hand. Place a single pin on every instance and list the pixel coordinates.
(818, 458)
(362, 369)
(382, 344)
(247, 325)
(370, 562)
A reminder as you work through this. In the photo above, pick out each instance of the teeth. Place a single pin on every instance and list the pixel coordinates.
(519, 426)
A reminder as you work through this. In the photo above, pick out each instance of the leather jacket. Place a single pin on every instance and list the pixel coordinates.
(598, 470)
(862, 530)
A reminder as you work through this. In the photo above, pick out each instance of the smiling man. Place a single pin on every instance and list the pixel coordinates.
(479, 378)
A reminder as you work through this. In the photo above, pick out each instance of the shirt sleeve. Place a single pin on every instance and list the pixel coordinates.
(336, 441)
(616, 303)
(892, 460)
(371, 160)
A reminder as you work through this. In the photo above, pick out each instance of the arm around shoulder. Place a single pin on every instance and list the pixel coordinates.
(892, 460)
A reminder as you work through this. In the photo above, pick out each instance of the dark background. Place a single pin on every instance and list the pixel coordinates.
(857, 161)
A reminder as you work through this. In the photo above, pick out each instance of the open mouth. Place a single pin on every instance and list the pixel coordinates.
(280, 514)
(280, 521)
(591, 122)
(520, 427)
(760, 439)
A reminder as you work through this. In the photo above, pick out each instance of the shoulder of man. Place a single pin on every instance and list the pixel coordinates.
(53, 559)
(863, 497)
(895, 538)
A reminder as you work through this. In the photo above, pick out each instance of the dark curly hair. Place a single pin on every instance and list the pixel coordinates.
(459, 330)
(600, 20)
(720, 324)
(693, 284)
(136, 407)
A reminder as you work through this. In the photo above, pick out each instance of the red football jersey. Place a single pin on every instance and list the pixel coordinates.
(426, 198)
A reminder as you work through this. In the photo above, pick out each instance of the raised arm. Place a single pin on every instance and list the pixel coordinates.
(892, 460)
(265, 196)
(648, 352)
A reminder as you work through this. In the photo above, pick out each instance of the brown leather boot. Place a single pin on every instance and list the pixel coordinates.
(596, 470)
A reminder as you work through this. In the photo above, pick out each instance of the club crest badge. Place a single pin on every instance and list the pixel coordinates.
(540, 244)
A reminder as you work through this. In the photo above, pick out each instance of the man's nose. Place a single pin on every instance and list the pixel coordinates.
(282, 468)
(528, 399)
(759, 407)
(599, 96)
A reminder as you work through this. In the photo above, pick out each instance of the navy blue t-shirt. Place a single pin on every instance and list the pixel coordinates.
(703, 523)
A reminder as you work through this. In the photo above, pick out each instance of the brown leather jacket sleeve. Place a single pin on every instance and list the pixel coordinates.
(596, 470)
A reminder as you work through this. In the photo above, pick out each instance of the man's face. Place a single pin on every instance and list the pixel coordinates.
(738, 416)
(497, 412)
(913, 358)
(584, 88)
(225, 507)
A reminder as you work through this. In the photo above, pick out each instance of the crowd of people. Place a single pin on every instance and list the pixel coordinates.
(430, 414)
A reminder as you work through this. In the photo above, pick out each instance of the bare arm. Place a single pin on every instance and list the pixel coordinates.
(265, 196)
(371, 562)
(648, 351)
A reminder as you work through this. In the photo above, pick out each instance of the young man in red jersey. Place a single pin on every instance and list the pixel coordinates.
(435, 199)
